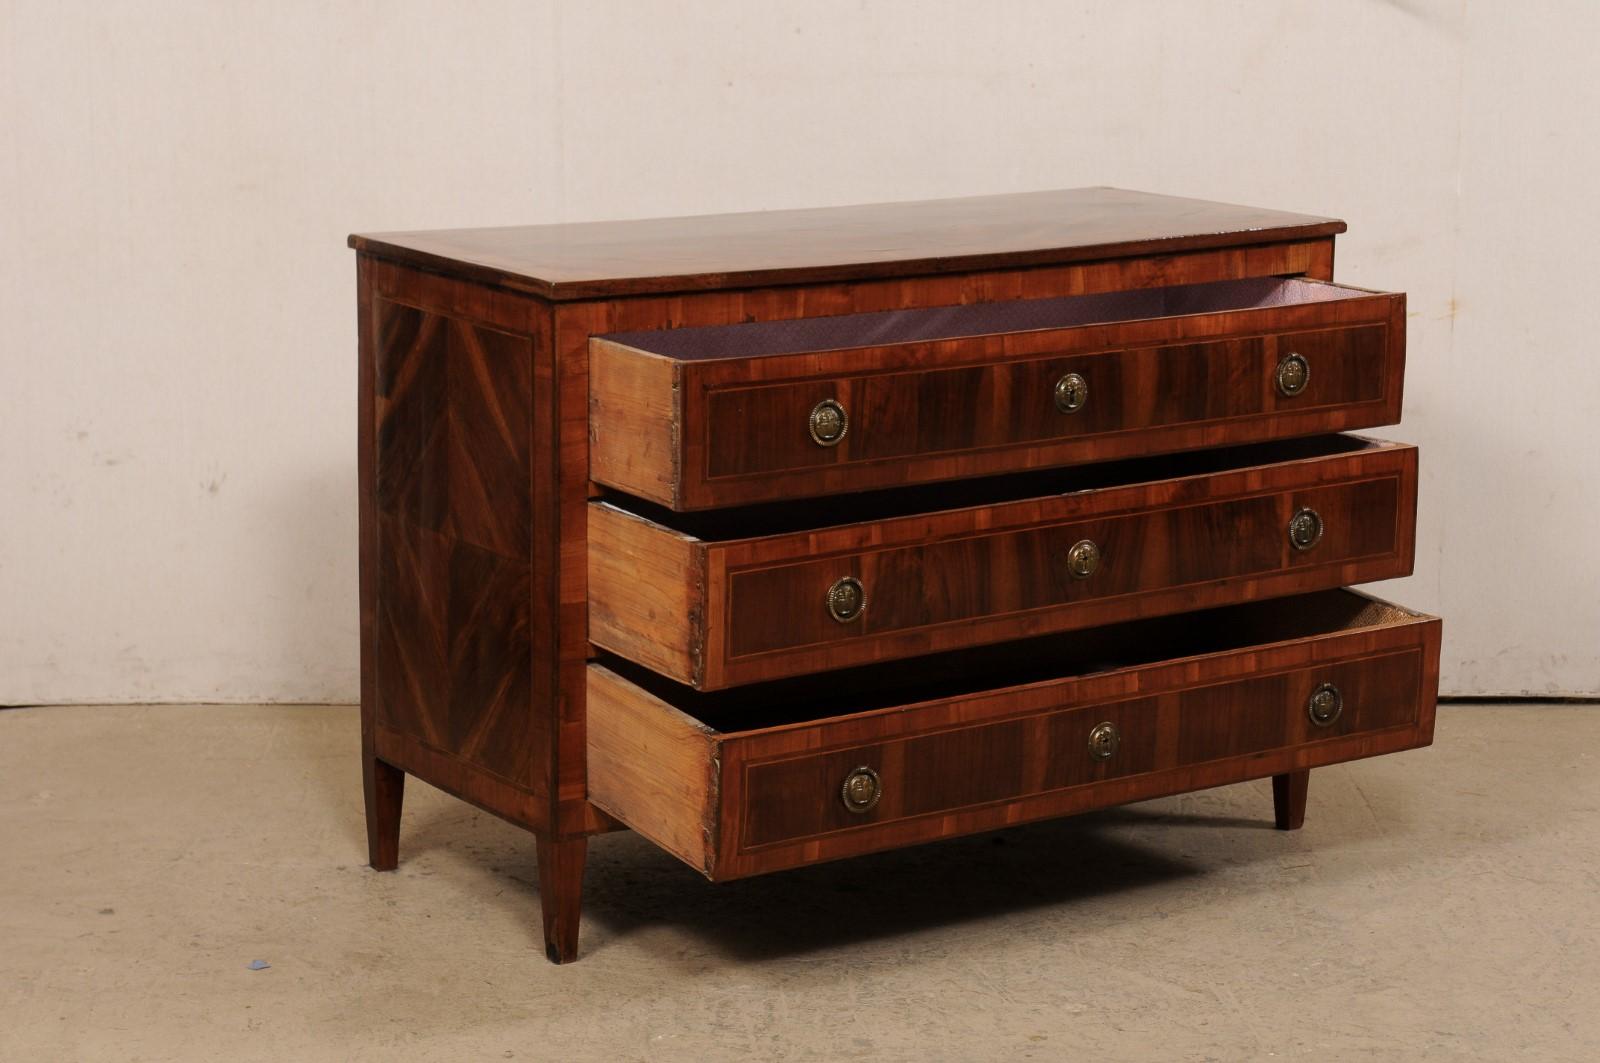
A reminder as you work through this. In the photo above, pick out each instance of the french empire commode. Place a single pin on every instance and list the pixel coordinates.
(786, 537)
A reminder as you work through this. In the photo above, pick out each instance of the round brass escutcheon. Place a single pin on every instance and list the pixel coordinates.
(828, 423)
(1305, 529)
(1325, 704)
(1294, 373)
(1104, 740)
(1072, 391)
(846, 599)
(861, 790)
(1083, 559)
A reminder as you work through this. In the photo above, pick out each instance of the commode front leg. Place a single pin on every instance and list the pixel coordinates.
(385, 787)
(561, 894)
(1289, 799)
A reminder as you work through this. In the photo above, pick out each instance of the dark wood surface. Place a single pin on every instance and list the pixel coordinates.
(1289, 799)
(453, 650)
(692, 433)
(574, 324)
(384, 787)
(549, 792)
(561, 864)
(590, 260)
(486, 604)
(740, 802)
(746, 608)
(456, 547)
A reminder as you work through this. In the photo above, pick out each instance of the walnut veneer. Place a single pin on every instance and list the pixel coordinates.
(789, 536)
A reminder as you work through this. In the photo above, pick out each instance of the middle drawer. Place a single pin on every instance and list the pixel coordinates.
(723, 598)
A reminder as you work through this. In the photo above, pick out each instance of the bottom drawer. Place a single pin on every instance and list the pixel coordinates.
(780, 774)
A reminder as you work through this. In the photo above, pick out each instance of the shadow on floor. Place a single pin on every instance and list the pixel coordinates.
(632, 887)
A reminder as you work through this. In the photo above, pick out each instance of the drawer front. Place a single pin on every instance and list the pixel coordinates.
(795, 799)
(1016, 574)
(738, 802)
(723, 613)
(714, 417)
(908, 417)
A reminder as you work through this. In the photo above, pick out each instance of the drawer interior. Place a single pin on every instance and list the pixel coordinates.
(782, 518)
(893, 685)
(803, 335)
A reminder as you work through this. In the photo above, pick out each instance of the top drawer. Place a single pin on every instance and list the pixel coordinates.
(696, 418)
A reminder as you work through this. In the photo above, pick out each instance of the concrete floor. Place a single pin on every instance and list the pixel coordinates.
(1442, 902)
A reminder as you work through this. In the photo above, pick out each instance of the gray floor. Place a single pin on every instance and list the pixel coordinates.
(1444, 901)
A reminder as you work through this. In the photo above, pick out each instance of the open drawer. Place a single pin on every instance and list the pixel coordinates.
(799, 771)
(702, 417)
(729, 597)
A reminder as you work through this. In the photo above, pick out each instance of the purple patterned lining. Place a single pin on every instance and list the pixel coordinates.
(764, 338)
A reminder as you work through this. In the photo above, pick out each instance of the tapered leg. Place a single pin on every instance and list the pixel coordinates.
(561, 894)
(386, 787)
(1289, 799)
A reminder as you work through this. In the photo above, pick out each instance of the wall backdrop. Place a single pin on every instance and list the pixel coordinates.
(177, 322)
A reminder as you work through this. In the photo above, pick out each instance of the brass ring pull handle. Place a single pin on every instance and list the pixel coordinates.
(1293, 374)
(828, 423)
(1083, 559)
(861, 790)
(1072, 391)
(1325, 704)
(1104, 740)
(847, 599)
(1305, 528)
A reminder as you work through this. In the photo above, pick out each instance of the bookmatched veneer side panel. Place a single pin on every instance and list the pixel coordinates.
(455, 654)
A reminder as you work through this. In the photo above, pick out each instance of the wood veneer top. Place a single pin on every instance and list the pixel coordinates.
(589, 260)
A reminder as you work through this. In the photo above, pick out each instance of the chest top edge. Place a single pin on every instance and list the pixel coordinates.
(597, 260)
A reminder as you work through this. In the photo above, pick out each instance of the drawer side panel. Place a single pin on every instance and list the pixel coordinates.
(634, 408)
(652, 768)
(646, 587)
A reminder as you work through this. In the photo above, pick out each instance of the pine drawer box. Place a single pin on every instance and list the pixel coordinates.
(785, 537)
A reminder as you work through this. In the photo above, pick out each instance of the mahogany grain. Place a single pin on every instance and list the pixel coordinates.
(767, 795)
(476, 446)
(718, 612)
(573, 324)
(598, 260)
(678, 419)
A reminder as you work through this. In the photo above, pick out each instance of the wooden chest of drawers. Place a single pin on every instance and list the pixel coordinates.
(785, 537)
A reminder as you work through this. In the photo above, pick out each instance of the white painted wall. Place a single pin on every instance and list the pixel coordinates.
(177, 328)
